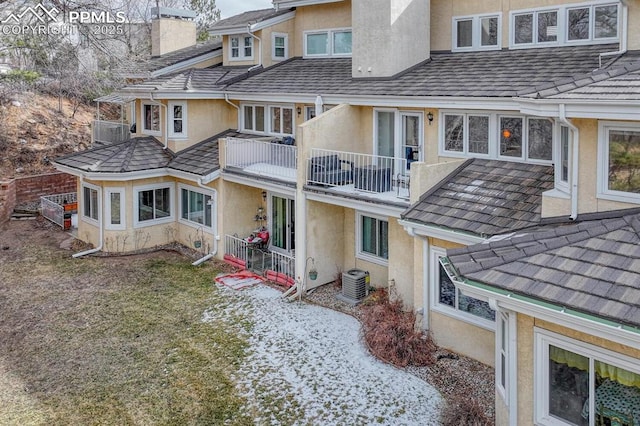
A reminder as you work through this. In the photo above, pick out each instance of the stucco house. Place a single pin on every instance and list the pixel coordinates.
(479, 158)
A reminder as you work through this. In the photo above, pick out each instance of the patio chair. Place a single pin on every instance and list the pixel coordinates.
(331, 170)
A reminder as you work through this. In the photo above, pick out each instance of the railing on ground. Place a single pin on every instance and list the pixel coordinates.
(53, 206)
(366, 172)
(110, 131)
(262, 158)
(236, 251)
(283, 268)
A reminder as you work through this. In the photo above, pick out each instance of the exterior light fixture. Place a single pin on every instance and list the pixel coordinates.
(264, 195)
(430, 117)
(299, 110)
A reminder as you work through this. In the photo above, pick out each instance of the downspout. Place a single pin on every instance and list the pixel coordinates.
(259, 64)
(575, 145)
(166, 121)
(100, 226)
(214, 213)
(226, 98)
(623, 37)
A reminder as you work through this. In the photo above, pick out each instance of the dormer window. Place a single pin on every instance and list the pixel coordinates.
(480, 32)
(241, 47)
(335, 42)
(561, 26)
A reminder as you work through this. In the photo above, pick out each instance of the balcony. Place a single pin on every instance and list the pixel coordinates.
(375, 176)
(261, 158)
(109, 132)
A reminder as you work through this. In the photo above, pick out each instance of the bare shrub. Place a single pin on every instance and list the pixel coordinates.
(390, 333)
(464, 410)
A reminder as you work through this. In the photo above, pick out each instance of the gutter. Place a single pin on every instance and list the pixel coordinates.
(259, 64)
(575, 145)
(226, 98)
(214, 213)
(100, 226)
(623, 37)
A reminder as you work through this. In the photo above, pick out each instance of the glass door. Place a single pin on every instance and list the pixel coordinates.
(282, 224)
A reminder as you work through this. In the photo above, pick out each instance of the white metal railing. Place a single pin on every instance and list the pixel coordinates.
(53, 206)
(236, 247)
(262, 158)
(283, 264)
(110, 131)
(366, 172)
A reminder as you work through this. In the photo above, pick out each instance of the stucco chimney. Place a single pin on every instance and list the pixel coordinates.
(389, 36)
(171, 30)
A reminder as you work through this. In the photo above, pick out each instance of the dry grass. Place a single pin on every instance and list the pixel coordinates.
(391, 335)
(111, 340)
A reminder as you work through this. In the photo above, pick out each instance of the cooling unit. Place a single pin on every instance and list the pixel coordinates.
(355, 285)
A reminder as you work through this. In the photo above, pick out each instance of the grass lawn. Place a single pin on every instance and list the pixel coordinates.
(114, 340)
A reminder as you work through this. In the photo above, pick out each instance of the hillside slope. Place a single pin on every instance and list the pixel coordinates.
(33, 132)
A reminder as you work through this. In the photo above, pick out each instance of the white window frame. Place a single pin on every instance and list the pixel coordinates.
(451, 311)
(98, 208)
(476, 32)
(309, 112)
(193, 224)
(360, 254)
(143, 122)
(107, 208)
(274, 47)
(242, 38)
(253, 121)
(136, 201)
(506, 352)
(184, 119)
(542, 339)
(561, 184)
(330, 45)
(280, 131)
(493, 143)
(397, 131)
(603, 164)
(563, 25)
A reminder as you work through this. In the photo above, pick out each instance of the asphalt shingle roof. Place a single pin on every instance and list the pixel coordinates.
(144, 68)
(485, 197)
(592, 266)
(248, 18)
(137, 154)
(504, 73)
(147, 153)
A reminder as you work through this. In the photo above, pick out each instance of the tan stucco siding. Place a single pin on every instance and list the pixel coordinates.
(320, 17)
(326, 237)
(205, 118)
(463, 338)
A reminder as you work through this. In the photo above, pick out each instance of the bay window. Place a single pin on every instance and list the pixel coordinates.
(114, 208)
(90, 202)
(153, 204)
(582, 384)
(195, 206)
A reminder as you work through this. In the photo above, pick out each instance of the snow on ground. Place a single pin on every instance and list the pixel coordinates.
(307, 365)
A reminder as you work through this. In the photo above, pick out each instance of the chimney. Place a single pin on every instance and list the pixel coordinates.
(171, 30)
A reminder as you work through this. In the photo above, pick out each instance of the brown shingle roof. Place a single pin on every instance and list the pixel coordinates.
(592, 266)
(485, 197)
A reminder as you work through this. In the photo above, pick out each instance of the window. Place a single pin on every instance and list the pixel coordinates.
(502, 355)
(151, 118)
(195, 206)
(619, 154)
(579, 382)
(466, 133)
(90, 202)
(328, 43)
(114, 208)
(373, 239)
(281, 120)
(153, 204)
(476, 32)
(565, 25)
(178, 119)
(254, 118)
(280, 46)
(526, 138)
(309, 112)
(563, 160)
(241, 47)
(450, 300)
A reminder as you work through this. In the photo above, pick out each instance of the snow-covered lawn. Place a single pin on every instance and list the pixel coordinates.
(307, 365)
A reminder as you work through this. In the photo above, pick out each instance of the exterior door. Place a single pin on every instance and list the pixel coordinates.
(282, 224)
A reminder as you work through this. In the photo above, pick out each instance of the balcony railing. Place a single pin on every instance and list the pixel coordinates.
(354, 172)
(262, 158)
(110, 131)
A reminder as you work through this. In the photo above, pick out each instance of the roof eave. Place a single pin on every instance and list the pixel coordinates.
(257, 26)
